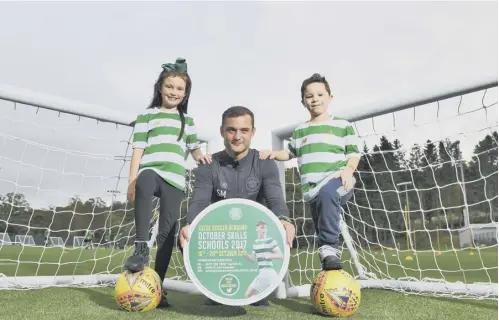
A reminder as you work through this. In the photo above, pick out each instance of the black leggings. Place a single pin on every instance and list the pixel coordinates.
(150, 184)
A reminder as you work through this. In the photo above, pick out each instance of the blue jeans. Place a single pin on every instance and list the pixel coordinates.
(325, 208)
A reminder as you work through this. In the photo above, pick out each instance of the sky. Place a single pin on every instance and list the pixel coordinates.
(254, 54)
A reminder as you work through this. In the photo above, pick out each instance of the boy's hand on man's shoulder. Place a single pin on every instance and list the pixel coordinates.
(267, 154)
(281, 155)
(204, 159)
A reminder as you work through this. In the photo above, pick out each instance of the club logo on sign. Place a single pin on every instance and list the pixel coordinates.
(237, 252)
(235, 213)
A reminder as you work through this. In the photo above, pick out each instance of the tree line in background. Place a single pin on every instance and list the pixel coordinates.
(435, 198)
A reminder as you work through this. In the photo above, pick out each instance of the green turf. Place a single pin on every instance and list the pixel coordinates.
(451, 266)
(74, 303)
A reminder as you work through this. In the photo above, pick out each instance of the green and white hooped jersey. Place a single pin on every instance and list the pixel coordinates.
(261, 248)
(322, 151)
(157, 132)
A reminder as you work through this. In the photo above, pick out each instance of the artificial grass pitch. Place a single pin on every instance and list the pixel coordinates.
(98, 303)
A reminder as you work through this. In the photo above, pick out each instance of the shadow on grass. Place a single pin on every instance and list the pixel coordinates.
(304, 306)
(193, 304)
(297, 305)
(183, 303)
(99, 297)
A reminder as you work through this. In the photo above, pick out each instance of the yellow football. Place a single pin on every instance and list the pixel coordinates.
(335, 293)
(138, 292)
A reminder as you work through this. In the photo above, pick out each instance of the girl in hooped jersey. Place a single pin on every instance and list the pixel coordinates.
(162, 135)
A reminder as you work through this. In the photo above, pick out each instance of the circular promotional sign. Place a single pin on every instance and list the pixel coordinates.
(237, 252)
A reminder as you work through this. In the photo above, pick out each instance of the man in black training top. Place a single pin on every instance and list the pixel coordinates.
(238, 172)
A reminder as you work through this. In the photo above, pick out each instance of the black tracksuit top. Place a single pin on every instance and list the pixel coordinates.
(249, 178)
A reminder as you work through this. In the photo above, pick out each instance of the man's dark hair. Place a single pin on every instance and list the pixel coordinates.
(238, 111)
(316, 77)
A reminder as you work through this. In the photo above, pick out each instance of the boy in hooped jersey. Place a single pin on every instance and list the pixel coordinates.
(162, 136)
(328, 153)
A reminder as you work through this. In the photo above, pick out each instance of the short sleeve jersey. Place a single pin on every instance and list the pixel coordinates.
(157, 133)
(322, 151)
(261, 248)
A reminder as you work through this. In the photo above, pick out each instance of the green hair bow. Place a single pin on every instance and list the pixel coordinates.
(179, 65)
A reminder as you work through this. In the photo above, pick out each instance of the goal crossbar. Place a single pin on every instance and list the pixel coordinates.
(398, 102)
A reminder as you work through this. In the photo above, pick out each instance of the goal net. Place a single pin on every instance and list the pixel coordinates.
(5, 239)
(64, 168)
(56, 241)
(423, 217)
(78, 241)
(25, 240)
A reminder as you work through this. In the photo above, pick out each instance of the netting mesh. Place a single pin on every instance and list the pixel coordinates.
(62, 176)
(425, 203)
(424, 208)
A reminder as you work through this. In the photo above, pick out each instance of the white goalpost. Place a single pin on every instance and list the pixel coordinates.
(56, 241)
(421, 221)
(5, 239)
(423, 217)
(25, 240)
(78, 241)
